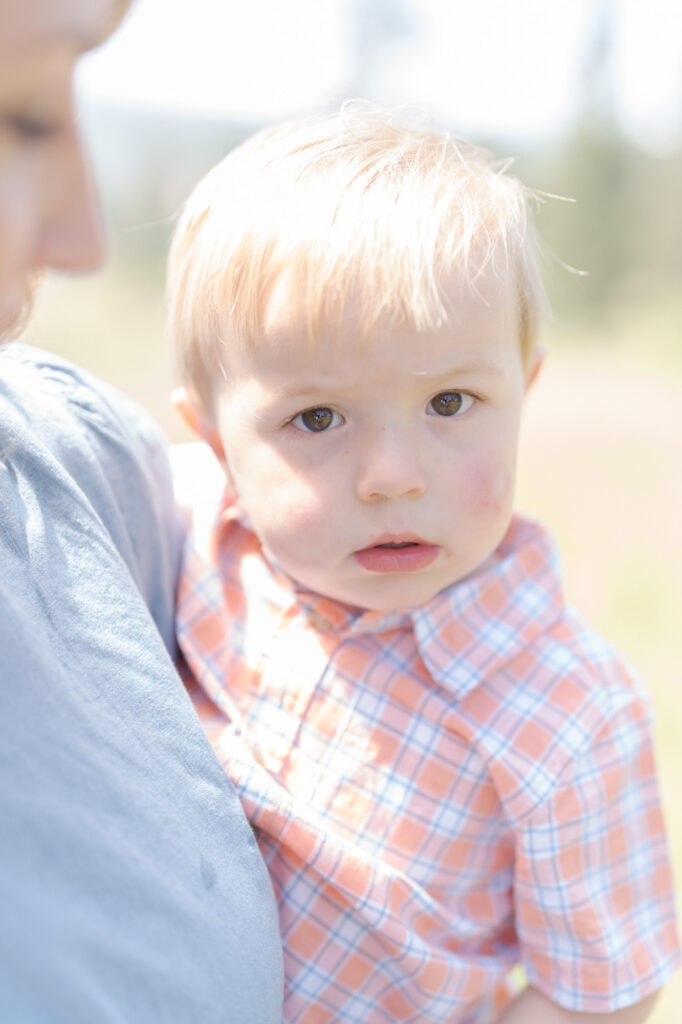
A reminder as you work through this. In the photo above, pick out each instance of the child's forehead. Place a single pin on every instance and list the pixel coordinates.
(481, 324)
(356, 319)
(311, 309)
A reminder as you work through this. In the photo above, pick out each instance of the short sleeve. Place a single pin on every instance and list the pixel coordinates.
(594, 895)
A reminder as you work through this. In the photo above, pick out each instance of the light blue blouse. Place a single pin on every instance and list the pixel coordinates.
(131, 887)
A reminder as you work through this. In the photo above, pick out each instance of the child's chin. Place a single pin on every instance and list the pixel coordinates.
(394, 595)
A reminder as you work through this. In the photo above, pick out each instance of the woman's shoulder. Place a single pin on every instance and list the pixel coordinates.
(109, 789)
(79, 460)
(57, 402)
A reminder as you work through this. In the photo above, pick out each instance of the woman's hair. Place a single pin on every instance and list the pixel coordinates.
(357, 209)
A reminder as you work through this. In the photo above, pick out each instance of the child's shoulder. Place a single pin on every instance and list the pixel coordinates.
(559, 693)
(568, 706)
(574, 650)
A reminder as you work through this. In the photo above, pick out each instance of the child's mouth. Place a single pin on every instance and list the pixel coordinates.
(388, 556)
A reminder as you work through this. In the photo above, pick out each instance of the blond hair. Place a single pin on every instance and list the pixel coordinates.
(356, 207)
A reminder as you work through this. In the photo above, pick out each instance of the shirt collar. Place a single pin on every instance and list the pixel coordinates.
(472, 628)
(323, 613)
(468, 630)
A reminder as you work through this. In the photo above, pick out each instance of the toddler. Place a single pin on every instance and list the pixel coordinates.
(447, 771)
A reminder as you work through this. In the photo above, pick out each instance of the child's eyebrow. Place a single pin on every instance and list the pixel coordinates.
(314, 385)
(469, 369)
(311, 385)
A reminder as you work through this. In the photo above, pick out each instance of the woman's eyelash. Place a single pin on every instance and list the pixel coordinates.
(32, 129)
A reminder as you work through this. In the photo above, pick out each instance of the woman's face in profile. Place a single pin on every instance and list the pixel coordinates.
(48, 213)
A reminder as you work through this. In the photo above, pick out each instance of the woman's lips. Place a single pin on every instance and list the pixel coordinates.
(397, 554)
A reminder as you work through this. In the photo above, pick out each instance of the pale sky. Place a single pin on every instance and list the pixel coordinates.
(503, 67)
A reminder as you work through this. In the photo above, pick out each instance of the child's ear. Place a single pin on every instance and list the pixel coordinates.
(536, 365)
(197, 422)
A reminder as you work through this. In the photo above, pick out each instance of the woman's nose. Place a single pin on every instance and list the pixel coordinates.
(71, 234)
(390, 468)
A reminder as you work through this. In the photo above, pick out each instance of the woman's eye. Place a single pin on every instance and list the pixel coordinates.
(32, 129)
(316, 420)
(450, 403)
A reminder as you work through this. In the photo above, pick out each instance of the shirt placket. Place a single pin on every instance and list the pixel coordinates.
(294, 667)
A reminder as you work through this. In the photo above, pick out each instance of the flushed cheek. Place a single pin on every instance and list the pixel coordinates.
(496, 490)
(485, 491)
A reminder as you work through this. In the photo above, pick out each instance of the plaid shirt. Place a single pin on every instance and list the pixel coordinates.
(440, 793)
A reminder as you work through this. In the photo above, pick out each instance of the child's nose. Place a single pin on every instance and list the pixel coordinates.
(390, 468)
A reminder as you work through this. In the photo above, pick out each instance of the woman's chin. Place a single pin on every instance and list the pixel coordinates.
(10, 322)
(15, 309)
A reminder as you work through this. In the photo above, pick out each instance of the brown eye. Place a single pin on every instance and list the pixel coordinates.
(317, 420)
(448, 403)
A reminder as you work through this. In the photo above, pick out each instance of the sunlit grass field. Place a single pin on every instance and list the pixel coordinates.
(601, 463)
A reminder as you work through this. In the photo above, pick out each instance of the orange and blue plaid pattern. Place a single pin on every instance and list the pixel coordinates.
(438, 794)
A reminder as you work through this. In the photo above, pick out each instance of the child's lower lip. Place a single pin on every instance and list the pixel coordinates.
(410, 558)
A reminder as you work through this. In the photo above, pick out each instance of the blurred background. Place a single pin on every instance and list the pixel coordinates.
(586, 97)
